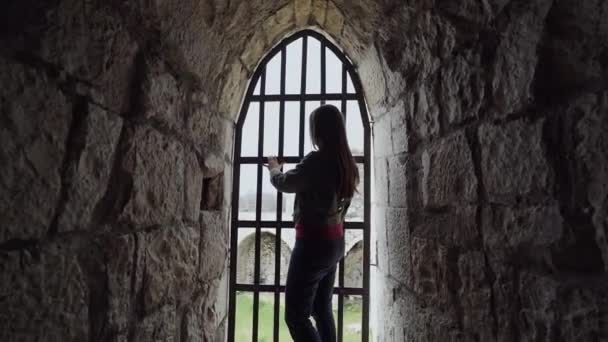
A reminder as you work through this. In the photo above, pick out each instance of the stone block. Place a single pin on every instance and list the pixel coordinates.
(568, 312)
(319, 11)
(425, 114)
(456, 226)
(214, 241)
(193, 320)
(400, 116)
(302, 9)
(193, 186)
(380, 236)
(205, 130)
(160, 325)
(172, 257)
(398, 242)
(36, 118)
(89, 171)
(504, 289)
(162, 98)
(397, 181)
(253, 50)
(124, 266)
(513, 161)
(413, 41)
(234, 86)
(448, 173)
(155, 164)
(430, 277)
(334, 21)
(462, 89)
(381, 181)
(515, 228)
(475, 11)
(382, 86)
(43, 295)
(573, 53)
(279, 24)
(516, 57)
(592, 162)
(382, 137)
(91, 43)
(475, 295)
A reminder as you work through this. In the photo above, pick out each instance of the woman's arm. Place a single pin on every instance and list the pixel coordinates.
(295, 180)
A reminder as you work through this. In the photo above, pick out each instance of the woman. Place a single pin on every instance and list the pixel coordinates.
(324, 183)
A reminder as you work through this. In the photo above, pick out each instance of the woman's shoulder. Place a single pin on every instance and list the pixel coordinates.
(311, 156)
(313, 160)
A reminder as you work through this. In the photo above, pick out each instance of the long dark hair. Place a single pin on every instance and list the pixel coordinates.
(328, 134)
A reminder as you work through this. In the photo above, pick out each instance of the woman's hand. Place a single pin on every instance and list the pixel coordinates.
(273, 163)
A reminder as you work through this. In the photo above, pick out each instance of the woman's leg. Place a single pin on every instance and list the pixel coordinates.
(300, 288)
(322, 308)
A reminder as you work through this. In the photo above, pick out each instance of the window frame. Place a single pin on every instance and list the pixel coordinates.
(260, 74)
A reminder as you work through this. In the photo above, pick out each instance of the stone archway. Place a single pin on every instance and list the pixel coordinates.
(353, 275)
(489, 146)
(246, 251)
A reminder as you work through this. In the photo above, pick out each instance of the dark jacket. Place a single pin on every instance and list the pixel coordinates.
(314, 180)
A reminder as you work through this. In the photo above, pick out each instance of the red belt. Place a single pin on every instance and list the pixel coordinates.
(329, 232)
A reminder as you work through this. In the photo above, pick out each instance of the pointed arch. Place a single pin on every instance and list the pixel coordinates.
(272, 121)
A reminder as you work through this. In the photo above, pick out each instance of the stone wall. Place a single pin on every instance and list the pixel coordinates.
(245, 271)
(111, 146)
(491, 176)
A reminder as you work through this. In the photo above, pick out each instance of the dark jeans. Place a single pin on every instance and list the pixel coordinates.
(309, 289)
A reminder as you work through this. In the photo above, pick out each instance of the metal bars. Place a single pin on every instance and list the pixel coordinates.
(279, 225)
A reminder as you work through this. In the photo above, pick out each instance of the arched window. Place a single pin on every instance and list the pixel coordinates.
(301, 73)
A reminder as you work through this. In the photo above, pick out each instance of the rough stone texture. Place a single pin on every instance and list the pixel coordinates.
(593, 162)
(380, 237)
(397, 180)
(448, 175)
(424, 118)
(496, 166)
(91, 169)
(381, 181)
(382, 137)
(44, 295)
(429, 277)
(193, 187)
(279, 24)
(319, 11)
(161, 98)
(456, 226)
(156, 164)
(302, 9)
(475, 297)
(462, 89)
(171, 262)
(563, 310)
(515, 152)
(574, 54)
(334, 20)
(516, 56)
(398, 242)
(214, 240)
(36, 118)
(526, 231)
(125, 257)
(490, 163)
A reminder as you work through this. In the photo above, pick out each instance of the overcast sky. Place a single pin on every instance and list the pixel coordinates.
(293, 78)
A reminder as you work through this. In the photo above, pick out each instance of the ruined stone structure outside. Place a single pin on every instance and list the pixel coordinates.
(490, 175)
